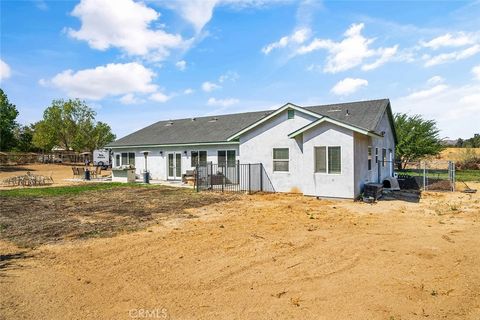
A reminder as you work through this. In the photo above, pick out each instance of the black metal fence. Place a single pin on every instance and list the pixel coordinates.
(232, 178)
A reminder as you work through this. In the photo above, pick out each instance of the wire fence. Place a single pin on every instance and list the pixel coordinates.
(236, 177)
(426, 175)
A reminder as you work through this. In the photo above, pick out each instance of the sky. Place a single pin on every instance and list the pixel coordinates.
(137, 62)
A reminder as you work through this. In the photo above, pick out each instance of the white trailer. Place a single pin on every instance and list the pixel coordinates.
(101, 157)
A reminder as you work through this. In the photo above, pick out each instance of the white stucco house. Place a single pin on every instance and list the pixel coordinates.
(325, 150)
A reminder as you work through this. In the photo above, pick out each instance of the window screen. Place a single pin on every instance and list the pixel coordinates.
(231, 159)
(334, 160)
(384, 157)
(193, 158)
(203, 158)
(131, 158)
(124, 158)
(280, 159)
(320, 159)
(369, 158)
(221, 157)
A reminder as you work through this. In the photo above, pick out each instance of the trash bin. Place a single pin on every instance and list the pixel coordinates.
(87, 174)
(146, 177)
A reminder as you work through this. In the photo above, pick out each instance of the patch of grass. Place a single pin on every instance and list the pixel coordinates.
(64, 190)
(461, 175)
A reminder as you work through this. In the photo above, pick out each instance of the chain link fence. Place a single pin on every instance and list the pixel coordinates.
(427, 175)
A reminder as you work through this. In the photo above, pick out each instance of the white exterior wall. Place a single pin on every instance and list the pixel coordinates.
(361, 173)
(387, 142)
(157, 164)
(325, 184)
(256, 146)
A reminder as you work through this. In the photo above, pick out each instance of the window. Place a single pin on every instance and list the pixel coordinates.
(376, 155)
(290, 113)
(328, 158)
(198, 157)
(128, 158)
(280, 159)
(369, 158)
(384, 157)
(226, 157)
(321, 159)
(131, 158)
(334, 160)
(117, 160)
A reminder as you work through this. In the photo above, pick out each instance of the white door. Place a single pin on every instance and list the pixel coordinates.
(174, 166)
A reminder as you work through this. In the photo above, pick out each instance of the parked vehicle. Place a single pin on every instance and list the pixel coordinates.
(101, 158)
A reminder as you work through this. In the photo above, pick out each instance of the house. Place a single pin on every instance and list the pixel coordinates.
(326, 150)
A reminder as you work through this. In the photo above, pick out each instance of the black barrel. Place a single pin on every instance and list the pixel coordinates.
(146, 177)
(87, 174)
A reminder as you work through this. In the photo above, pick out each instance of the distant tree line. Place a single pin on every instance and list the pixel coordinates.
(473, 142)
(66, 124)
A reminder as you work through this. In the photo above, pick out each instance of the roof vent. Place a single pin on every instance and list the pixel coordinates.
(347, 113)
(169, 123)
(213, 119)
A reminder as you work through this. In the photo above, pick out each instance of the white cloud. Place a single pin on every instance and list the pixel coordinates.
(298, 37)
(130, 98)
(350, 52)
(124, 24)
(476, 72)
(222, 102)
(228, 76)
(456, 109)
(451, 56)
(348, 86)
(386, 54)
(5, 72)
(109, 80)
(435, 80)
(208, 86)
(450, 40)
(422, 94)
(159, 97)
(181, 65)
(188, 91)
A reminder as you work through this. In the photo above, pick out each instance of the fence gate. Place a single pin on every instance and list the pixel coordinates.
(428, 175)
(232, 178)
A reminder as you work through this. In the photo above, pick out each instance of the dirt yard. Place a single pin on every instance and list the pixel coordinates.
(57, 171)
(259, 257)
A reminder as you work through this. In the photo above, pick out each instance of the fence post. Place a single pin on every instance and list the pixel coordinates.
(211, 175)
(424, 175)
(249, 178)
(224, 170)
(196, 178)
(261, 176)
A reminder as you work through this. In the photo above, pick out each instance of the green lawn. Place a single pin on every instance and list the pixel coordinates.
(461, 175)
(64, 190)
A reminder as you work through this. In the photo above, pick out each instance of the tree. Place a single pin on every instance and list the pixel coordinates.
(8, 115)
(71, 125)
(24, 138)
(417, 138)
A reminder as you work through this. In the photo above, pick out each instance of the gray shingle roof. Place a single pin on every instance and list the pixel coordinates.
(362, 114)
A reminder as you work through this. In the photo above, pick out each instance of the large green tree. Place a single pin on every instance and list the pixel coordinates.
(24, 137)
(417, 138)
(70, 124)
(8, 115)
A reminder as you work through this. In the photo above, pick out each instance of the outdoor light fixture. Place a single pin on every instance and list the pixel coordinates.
(161, 153)
(185, 152)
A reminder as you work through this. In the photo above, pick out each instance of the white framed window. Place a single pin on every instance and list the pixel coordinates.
(226, 157)
(321, 159)
(290, 113)
(369, 158)
(281, 159)
(376, 155)
(198, 158)
(384, 157)
(328, 159)
(128, 158)
(117, 160)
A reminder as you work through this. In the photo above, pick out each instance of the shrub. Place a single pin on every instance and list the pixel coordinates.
(470, 160)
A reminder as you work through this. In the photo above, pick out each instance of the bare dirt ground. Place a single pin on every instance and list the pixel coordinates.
(263, 257)
(57, 171)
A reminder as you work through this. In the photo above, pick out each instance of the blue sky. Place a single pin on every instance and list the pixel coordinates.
(139, 62)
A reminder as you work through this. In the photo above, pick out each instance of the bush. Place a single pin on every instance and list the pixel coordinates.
(470, 160)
